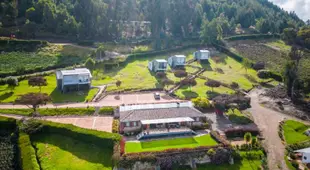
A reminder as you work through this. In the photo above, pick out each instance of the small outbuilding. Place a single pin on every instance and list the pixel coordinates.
(202, 55)
(158, 65)
(177, 61)
(73, 80)
(305, 155)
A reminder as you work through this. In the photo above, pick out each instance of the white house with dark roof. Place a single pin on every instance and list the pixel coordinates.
(159, 120)
(305, 155)
(202, 55)
(177, 61)
(73, 80)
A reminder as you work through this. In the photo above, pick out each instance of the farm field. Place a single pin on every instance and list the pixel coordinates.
(293, 132)
(56, 152)
(160, 145)
(51, 56)
(135, 75)
(9, 95)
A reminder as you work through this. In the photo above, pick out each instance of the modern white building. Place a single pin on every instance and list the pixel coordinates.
(73, 80)
(158, 65)
(202, 55)
(305, 155)
(177, 61)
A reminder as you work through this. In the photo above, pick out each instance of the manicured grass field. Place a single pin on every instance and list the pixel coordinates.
(57, 97)
(160, 145)
(135, 74)
(243, 165)
(200, 90)
(56, 152)
(293, 132)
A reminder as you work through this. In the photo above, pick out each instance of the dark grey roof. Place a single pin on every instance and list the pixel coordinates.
(163, 113)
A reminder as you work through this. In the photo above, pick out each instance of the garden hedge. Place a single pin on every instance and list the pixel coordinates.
(251, 37)
(27, 154)
(86, 135)
(20, 45)
(7, 123)
(225, 50)
(106, 110)
(51, 111)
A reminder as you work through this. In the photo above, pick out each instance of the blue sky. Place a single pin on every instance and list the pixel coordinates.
(301, 7)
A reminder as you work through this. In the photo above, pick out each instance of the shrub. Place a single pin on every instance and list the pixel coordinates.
(202, 103)
(30, 126)
(265, 74)
(51, 111)
(161, 74)
(213, 83)
(252, 155)
(293, 155)
(211, 152)
(12, 81)
(180, 73)
(27, 153)
(115, 126)
(106, 110)
(259, 65)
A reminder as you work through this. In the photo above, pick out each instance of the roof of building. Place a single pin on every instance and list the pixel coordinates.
(159, 113)
(155, 106)
(305, 150)
(180, 56)
(76, 71)
(168, 120)
(204, 51)
(161, 60)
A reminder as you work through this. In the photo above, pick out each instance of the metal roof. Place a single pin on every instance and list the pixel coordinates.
(305, 150)
(76, 71)
(161, 60)
(180, 56)
(168, 120)
(204, 51)
(155, 106)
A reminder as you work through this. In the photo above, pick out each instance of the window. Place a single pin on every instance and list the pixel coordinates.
(134, 124)
(197, 119)
(127, 124)
(305, 158)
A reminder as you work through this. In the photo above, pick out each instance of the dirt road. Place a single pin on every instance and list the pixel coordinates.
(268, 122)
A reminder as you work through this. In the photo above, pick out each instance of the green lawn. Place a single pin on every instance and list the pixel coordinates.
(56, 152)
(135, 74)
(160, 145)
(293, 132)
(57, 97)
(279, 44)
(235, 116)
(200, 90)
(243, 165)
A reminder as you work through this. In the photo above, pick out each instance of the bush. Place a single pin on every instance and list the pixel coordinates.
(252, 155)
(106, 111)
(161, 74)
(51, 111)
(27, 153)
(265, 74)
(234, 85)
(259, 66)
(12, 81)
(115, 126)
(202, 103)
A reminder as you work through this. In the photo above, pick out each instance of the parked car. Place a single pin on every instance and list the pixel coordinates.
(157, 96)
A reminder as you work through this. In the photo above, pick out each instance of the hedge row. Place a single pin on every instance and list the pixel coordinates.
(7, 123)
(20, 45)
(106, 111)
(225, 50)
(86, 135)
(3, 81)
(51, 111)
(252, 36)
(27, 155)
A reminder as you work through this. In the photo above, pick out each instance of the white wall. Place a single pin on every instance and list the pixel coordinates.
(306, 157)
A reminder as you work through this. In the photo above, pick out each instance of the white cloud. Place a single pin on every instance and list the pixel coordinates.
(301, 7)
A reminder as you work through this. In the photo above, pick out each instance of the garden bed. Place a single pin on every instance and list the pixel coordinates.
(293, 132)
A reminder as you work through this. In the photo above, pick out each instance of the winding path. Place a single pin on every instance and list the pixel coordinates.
(268, 121)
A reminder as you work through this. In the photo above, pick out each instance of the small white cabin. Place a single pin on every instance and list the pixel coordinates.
(177, 61)
(158, 65)
(305, 155)
(202, 55)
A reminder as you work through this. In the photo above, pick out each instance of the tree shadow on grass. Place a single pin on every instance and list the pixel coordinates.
(89, 152)
(206, 65)
(220, 58)
(212, 94)
(6, 95)
(188, 94)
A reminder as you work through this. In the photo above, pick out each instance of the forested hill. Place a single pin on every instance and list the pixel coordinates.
(106, 19)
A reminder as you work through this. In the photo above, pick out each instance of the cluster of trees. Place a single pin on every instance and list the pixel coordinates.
(297, 36)
(105, 19)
